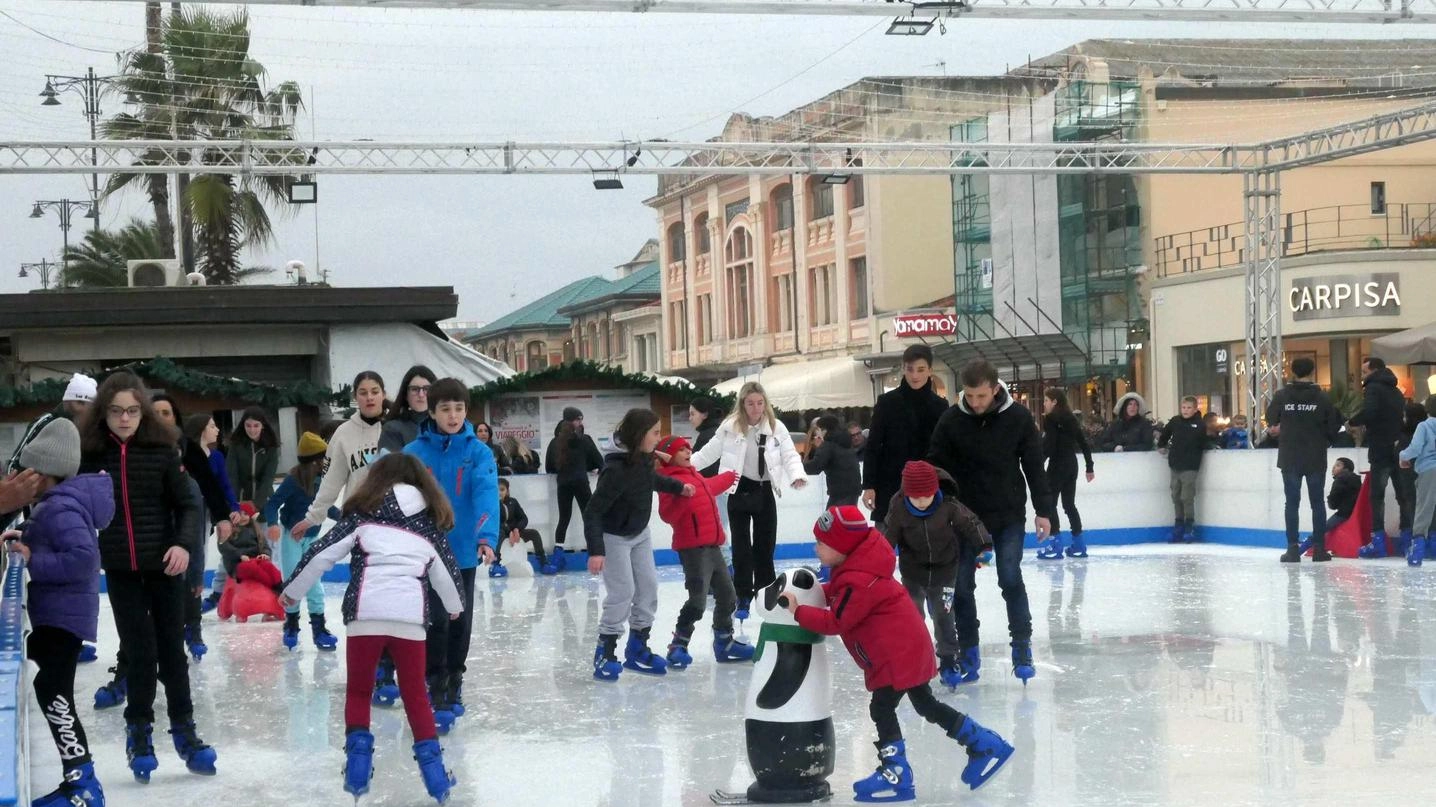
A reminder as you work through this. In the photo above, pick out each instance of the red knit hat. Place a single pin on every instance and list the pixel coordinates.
(248, 509)
(673, 444)
(919, 480)
(842, 528)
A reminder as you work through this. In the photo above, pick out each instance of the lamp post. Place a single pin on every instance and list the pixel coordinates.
(90, 87)
(44, 267)
(66, 209)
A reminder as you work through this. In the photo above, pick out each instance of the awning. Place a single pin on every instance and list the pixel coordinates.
(1416, 346)
(391, 348)
(818, 384)
(1013, 355)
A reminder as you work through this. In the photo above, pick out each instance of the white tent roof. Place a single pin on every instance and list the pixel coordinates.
(392, 348)
(1415, 346)
(816, 384)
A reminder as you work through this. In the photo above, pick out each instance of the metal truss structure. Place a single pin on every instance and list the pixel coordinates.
(1271, 11)
(1260, 164)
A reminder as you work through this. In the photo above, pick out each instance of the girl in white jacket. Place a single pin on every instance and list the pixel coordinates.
(753, 444)
(392, 532)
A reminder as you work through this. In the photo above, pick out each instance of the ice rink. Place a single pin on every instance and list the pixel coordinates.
(1165, 675)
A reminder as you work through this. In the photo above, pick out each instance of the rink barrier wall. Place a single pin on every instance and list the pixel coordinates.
(1240, 502)
(14, 716)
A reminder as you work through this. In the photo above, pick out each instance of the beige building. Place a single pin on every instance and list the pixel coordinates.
(803, 273)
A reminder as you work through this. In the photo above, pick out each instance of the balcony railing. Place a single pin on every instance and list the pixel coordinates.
(1320, 229)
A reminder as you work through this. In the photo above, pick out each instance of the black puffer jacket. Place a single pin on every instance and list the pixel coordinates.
(1184, 440)
(154, 507)
(1382, 409)
(582, 457)
(1345, 490)
(705, 433)
(836, 458)
(623, 499)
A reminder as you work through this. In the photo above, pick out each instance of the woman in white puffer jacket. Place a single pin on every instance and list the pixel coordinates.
(752, 443)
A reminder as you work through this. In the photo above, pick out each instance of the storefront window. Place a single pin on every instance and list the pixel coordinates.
(1205, 371)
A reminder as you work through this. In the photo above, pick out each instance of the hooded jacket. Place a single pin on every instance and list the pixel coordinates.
(836, 458)
(1382, 411)
(930, 544)
(622, 500)
(988, 455)
(1185, 439)
(875, 617)
(582, 458)
(65, 554)
(355, 444)
(251, 469)
(1309, 424)
(1345, 489)
(155, 508)
(902, 425)
(695, 520)
(1132, 434)
(392, 553)
(465, 469)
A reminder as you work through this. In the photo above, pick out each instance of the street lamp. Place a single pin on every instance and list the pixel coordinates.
(66, 209)
(90, 87)
(44, 267)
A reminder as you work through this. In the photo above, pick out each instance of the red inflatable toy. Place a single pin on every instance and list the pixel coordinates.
(251, 592)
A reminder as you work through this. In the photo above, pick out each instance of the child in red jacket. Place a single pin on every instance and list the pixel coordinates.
(698, 536)
(887, 637)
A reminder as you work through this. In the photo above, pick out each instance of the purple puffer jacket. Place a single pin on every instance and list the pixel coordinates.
(65, 553)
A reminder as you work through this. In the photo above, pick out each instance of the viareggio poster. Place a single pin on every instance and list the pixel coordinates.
(532, 418)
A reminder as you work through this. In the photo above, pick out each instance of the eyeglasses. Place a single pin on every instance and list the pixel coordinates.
(419, 390)
(124, 411)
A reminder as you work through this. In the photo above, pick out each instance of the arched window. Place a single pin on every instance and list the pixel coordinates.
(782, 208)
(700, 234)
(738, 260)
(676, 250)
(820, 196)
(537, 355)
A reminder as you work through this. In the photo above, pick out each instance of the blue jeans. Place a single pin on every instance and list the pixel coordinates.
(1315, 484)
(1007, 546)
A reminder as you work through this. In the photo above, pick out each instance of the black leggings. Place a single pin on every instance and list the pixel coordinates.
(55, 651)
(567, 493)
(448, 639)
(149, 616)
(1063, 481)
(883, 710)
(753, 517)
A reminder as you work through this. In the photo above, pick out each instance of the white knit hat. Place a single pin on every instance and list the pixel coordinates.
(82, 388)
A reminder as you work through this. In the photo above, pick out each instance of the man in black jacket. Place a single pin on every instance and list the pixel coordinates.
(1381, 413)
(1183, 440)
(988, 443)
(901, 429)
(1307, 422)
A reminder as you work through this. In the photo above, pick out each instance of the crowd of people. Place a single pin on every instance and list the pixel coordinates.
(118, 480)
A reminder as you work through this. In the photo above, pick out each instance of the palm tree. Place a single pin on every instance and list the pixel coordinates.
(103, 257)
(214, 91)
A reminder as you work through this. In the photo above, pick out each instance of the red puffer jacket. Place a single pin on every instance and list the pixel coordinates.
(694, 520)
(876, 619)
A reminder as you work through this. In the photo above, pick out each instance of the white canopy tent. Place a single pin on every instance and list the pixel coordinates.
(392, 348)
(832, 383)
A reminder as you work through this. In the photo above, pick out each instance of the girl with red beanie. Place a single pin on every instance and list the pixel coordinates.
(886, 636)
(698, 537)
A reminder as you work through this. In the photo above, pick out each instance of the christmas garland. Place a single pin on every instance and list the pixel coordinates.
(587, 371)
(169, 375)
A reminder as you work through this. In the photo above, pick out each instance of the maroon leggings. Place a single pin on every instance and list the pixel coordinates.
(363, 660)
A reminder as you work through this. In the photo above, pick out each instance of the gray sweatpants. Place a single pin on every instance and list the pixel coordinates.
(631, 578)
(1425, 504)
(1184, 495)
(936, 601)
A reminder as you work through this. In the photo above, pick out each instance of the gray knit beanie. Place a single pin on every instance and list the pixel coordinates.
(55, 451)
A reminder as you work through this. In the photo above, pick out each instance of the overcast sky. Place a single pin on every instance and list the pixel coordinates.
(445, 75)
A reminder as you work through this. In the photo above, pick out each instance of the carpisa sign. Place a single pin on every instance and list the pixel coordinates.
(908, 325)
(1373, 295)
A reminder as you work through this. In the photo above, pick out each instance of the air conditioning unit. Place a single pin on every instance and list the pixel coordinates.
(152, 273)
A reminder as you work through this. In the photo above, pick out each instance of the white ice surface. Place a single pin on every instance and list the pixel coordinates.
(1164, 676)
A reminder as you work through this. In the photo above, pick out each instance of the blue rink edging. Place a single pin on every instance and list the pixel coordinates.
(12, 679)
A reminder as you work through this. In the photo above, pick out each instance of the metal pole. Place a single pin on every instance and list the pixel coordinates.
(92, 111)
(65, 234)
(1261, 196)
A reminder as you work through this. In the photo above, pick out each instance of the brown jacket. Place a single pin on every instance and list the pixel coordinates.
(929, 548)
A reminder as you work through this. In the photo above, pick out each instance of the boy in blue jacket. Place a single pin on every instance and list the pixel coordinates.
(60, 544)
(464, 467)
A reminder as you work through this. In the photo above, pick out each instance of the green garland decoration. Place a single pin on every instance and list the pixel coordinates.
(587, 371)
(166, 373)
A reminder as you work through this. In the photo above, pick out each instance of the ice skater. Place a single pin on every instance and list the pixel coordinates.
(285, 508)
(885, 634)
(698, 537)
(1183, 441)
(1421, 455)
(1062, 438)
(63, 556)
(513, 527)
(465, 468)
(615, 524)
(397, 502)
